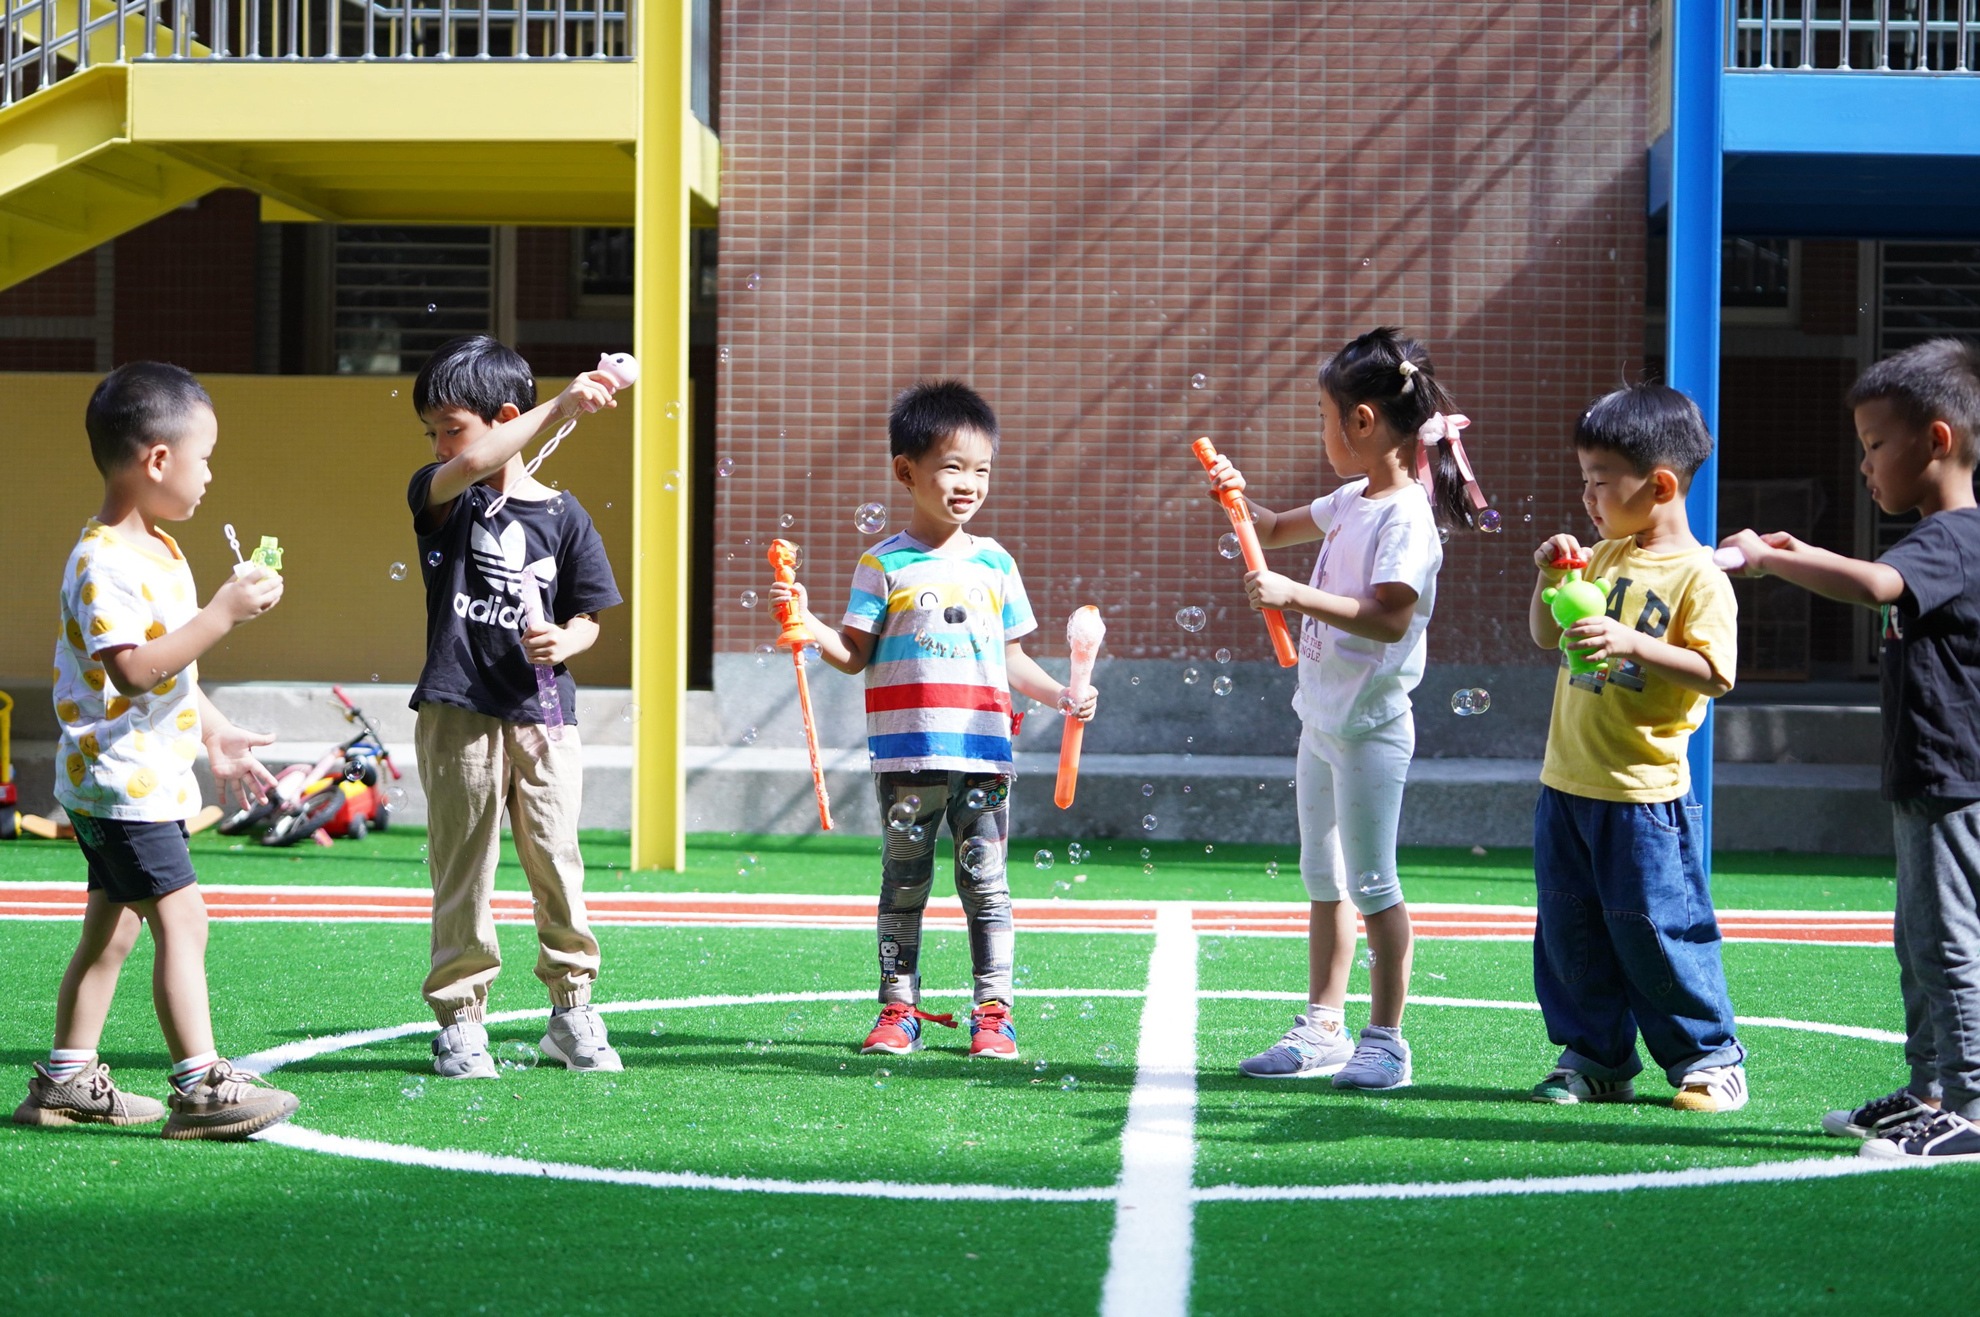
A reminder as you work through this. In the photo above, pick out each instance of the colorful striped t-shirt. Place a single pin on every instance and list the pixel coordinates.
(937, 696)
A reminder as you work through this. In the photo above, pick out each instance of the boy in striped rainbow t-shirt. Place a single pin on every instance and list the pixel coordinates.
(934, 621)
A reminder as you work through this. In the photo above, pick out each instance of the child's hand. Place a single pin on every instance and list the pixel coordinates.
(1224, 478)
(1556, 547)
(589, 392)
(782, 593)
(1269, 589)
(241, 777)
(1759, 550)
(1082, 708)
(547, 646)
(245, 597)
(1598, 638)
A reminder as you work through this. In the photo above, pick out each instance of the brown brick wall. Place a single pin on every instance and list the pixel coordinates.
(67, 290)
(185, 286)
(1079, 207)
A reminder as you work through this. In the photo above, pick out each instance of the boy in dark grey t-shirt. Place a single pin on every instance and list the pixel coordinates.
(1918, 418)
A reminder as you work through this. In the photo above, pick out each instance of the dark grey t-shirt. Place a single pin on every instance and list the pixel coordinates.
(1931, 662)
(474, 566)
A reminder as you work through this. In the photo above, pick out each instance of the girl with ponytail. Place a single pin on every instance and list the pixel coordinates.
(1389, 429)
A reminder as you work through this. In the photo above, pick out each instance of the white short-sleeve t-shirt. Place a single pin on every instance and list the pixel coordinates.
(1349, 685)
(124, 758)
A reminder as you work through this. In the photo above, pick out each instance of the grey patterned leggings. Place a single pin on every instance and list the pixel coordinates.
(980, 828)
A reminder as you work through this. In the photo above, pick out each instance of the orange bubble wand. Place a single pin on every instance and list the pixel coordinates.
(1254, 557)
(1084, 632)
(795, 636)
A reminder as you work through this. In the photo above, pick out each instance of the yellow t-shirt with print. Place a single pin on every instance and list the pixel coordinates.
(124, 758)
(1623, 738)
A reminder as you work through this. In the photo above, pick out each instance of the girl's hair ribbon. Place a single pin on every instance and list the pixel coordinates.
(1445, 429)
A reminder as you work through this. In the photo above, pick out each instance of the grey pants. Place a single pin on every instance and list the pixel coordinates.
(907, 871)
(1938, 948)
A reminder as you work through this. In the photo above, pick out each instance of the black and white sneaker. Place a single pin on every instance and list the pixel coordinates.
(1878, 1118)
(1945, 1138)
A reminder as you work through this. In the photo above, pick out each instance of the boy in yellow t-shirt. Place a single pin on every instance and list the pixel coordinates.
(1625, 938)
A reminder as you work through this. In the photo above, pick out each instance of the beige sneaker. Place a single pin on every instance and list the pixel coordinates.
(87, 1098)
(1715, 1088)
(228, 1103)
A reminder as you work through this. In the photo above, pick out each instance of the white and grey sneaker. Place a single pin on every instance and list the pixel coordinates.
(1878, 1118)
(461, 1052)
(1566, 1086)
(576, 1039)
(1947, 1137)
(1380, 1061)
(1306, 1052)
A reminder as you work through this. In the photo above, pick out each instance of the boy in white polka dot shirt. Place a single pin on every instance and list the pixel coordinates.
(133, 720)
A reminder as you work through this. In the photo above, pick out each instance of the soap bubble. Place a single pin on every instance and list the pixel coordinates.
(672, 484)
(1147, 789)
(1042, 860)
(755, 282)
(417, 1091)
(1148, 823)
(747, 599)
(1086, 1010)
(1271, 868)
(881, 1076)
(1443, 534)
(811, 652)
(977, 798)
(432, 308)
(1228, 546)
(1107, 1054)
(1369, 882)
(629, 713)
(1148, 868)
(517, 1055)
(1488, 521)
(1063, 887)
(1134, 681)
(1191, 619)
(1198, 380)
(1191, 676)
(918, 833)
(395, 797)
(749, 736)
(1067, 1083)
(1470, 703)
(673, 410)
(786, 521)
(1221, 686)
(1041, 1066)
(1209, 850)
(870, 518)
(1076, 852)
(901, 817)
(725, 466)
(433, 558)
(397, 571)
(1223, 656)
(763, 653)
(978, 857)
(722, 354)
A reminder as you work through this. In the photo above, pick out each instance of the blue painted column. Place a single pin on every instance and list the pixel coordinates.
(1691, 345)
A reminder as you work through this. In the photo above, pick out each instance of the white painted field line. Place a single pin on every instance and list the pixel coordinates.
(1807, 1168)
(1148, 1262)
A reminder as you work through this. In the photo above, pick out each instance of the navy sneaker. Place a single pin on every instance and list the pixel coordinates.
(1944, 1138)
(1879, 1117)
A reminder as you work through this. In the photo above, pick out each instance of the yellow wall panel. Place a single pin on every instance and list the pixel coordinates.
(320, 462)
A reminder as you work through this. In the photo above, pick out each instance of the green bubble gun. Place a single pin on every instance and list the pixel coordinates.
(1574, 600)
(269, 555)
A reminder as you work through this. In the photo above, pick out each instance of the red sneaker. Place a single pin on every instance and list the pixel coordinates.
(898, 1030)
(991, 1032)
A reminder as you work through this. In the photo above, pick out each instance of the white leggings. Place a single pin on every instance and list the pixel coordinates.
(1350, 802)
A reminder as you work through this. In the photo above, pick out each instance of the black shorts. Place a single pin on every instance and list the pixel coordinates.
(133, 861)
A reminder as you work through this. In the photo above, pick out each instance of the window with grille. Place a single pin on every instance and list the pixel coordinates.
(400, 291)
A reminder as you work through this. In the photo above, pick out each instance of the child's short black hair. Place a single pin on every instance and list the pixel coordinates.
(474, 373)
(137, 405)
(928, 411)
(1938, 380)
(1648, 425)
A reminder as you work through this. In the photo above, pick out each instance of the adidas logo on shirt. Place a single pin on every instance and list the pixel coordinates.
(499, 562)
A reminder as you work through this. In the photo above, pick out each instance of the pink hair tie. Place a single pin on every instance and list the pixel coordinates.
(1445, 429)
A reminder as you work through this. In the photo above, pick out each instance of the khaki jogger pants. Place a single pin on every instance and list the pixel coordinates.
(472, 767)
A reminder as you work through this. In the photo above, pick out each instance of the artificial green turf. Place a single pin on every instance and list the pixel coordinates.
(814, 864)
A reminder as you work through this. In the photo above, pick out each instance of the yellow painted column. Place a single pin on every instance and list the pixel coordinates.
(660, 444)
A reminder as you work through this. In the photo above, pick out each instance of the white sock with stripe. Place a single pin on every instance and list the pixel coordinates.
(186, 1074)
(65, 1063)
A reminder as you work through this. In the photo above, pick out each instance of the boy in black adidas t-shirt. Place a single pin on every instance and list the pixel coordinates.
(1918, 418)
(490, 538)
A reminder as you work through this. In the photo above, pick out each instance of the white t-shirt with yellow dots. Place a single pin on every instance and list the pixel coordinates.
(121, 758)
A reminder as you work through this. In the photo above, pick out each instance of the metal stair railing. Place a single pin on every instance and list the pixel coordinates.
(1863, 36)
(45, 41)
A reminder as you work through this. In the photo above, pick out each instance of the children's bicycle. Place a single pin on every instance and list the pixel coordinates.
(343, 794)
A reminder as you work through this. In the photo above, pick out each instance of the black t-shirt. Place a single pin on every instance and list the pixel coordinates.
(474, 566)
(1931, 661)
